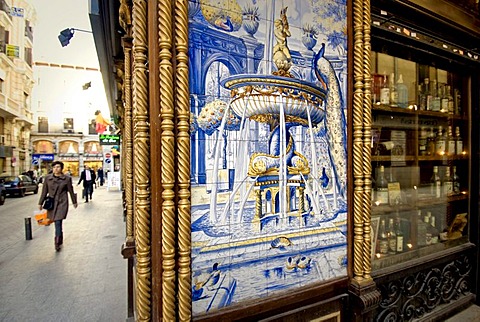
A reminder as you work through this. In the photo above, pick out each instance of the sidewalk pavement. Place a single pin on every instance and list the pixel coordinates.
(84, 281)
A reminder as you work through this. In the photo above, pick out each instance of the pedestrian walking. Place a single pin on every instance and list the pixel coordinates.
(58, 186)
(88, 178)
(100, 175)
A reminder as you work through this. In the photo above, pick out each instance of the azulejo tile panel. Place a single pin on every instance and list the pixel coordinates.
(268, 147)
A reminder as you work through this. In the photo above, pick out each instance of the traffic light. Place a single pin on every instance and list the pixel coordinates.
(65, 36)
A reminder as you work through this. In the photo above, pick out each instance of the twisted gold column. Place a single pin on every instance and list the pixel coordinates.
(128, 143)
(367, 136)
(141, 162)
(358, 74)
(168, 161)
(182, 99)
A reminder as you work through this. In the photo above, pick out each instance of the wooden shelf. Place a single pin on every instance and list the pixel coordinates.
(391, 109)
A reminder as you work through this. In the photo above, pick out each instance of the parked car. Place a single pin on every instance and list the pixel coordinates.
(3, 193)
(20, 184)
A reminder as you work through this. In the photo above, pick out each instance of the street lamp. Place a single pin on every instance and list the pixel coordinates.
(67, 34)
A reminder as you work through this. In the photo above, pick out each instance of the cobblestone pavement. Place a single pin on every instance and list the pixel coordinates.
(84, 281)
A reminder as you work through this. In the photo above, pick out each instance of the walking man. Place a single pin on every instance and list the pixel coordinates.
(88, 178)
(100, 175)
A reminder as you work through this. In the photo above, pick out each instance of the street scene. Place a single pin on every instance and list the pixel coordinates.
(84, 281)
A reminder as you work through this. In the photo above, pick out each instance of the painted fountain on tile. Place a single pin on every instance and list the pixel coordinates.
(268, 150)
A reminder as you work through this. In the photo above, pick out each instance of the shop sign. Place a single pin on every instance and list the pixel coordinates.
(68, 155)
(68, 159)
(6, 151)
(13, 51)
(43, 156)
(109, 139)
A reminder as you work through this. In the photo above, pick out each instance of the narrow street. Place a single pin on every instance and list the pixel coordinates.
(85, 281)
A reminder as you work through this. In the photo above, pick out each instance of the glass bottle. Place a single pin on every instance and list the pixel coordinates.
(428, 94)
(436, 106)
(392, 238)
(435, 184)
(393, 91)
(431, 143)
(402, 92)
(458, 142)
(447, 183)
(384, 91)
(456, 181)
(382, 186)
(443, 99)
(457, 97)
(382, 239)
(399, 234)
(421, 230)
(451, 105)
(451, 142)
(422, 141)
(433, 229)
(422, 99)
(440, 142)
(428, 230)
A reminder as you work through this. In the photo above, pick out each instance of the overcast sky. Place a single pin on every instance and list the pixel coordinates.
(54, 16)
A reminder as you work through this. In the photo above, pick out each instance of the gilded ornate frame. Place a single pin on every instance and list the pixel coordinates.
(175, 157)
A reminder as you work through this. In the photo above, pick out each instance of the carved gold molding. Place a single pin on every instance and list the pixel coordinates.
(182, 100)
(141, 163)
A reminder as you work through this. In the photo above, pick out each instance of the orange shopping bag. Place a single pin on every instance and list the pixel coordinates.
(41, 217)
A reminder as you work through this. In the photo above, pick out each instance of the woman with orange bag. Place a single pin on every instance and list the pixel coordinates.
(58, 185)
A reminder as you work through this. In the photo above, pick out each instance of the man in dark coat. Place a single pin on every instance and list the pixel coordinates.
(100, 175)
(88, 178)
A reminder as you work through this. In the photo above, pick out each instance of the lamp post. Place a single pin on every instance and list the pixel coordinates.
(67, 34)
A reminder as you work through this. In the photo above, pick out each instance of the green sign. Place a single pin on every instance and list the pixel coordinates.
(109, 139)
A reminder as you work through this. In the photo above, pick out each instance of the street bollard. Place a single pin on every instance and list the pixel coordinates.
(28, 228)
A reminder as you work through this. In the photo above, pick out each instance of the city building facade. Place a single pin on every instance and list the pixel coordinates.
(66, 101)
(17, 21)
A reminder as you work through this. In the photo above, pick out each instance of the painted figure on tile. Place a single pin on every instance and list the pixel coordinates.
(281, 53)
(225, 15)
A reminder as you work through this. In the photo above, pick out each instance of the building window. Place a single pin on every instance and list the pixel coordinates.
(42, 124)
(92, 127)
(4, 35)
(1, 85)
(68, 123)
(28, 56)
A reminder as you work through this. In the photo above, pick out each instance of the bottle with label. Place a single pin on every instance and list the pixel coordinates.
(440, 142)
(436, 105)
(385, 91)
(428, 94)
(382, 239)
(399, 234)
(457, 101)
(435, 184)
(447, 183)
(458, 142)
(393, 91)
(433, 229)
(422, 141)
(443, 99)
(451, 105)
(422, 99)
(431, 143)
(392, 238)
(456, 181)
(451, 142)
(402, 92)
(382, 186)
(421, 230)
